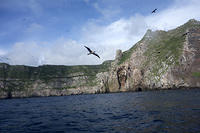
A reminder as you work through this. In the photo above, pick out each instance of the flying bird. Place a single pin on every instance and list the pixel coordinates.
(154, 11)
(91, 52)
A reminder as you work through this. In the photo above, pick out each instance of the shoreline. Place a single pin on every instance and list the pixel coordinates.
(145, 90)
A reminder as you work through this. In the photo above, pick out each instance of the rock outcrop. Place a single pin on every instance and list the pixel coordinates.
(161, 60)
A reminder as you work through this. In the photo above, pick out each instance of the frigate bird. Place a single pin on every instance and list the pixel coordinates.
(154, 11)
(91, 52)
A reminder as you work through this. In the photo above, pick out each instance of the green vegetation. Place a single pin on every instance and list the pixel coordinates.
(127, 54)
(51, 71)
(196, 74)
(47, 72)
(163, 52)
(91, 81)
(179, 31)
(22, 76)
(171, 40)
(163, 49)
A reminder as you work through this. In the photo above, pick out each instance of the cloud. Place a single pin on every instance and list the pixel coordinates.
(105, 38)
(60, 52)
(2, 52)
(22, 53)
(3, 58)
(120, 34)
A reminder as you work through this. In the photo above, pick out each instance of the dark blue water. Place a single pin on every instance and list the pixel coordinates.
(175, 111)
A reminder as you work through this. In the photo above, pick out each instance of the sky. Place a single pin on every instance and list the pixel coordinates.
(38, 32)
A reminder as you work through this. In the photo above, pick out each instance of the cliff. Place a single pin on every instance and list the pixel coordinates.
(160, 60)
(50, 80)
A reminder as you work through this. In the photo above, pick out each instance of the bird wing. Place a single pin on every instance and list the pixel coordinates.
(96, 54)
(88, 49)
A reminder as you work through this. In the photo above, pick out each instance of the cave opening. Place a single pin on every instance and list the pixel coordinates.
(139, 89)
(9, 94)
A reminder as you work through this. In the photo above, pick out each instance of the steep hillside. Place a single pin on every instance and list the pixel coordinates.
(47, 80)
(160, 60)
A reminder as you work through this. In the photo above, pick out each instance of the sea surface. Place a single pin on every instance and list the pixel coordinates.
(169, 111)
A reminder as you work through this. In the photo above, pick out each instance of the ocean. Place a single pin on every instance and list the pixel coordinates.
(166, 111)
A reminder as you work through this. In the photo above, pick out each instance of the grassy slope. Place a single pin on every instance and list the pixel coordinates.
(196, 74)
(163, 52)
(48, 72)
(163, 49)
(127, 54)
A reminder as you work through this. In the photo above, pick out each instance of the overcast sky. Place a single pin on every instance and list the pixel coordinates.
(36, 32)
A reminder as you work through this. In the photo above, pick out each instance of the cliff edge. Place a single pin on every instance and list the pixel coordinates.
(50, 80)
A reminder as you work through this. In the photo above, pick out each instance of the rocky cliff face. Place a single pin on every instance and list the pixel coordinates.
(51, 80)
(161, 60)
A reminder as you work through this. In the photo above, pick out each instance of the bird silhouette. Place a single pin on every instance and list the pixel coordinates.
(91, 52)
(154, 11)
